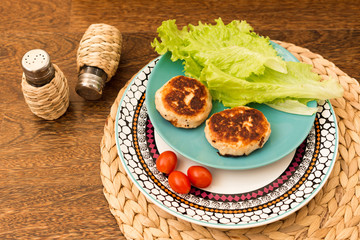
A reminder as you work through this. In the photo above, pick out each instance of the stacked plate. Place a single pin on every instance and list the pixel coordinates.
(249, 191)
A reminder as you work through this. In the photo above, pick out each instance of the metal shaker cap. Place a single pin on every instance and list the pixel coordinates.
(91, 82)
(37, 67)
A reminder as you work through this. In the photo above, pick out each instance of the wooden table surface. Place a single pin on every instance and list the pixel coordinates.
(50, 183)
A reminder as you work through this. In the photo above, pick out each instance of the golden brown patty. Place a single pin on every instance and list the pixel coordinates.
(183, 101)
(237, 131)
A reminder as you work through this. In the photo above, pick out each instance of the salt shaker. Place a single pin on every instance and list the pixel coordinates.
(98, 58)
(44, 85)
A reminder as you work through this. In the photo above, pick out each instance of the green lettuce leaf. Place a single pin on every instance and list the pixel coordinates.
(299, 83)
(240, 67)
(234, 47)
(293, 106)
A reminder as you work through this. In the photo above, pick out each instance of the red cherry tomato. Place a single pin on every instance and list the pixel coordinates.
(199, 176)
(179, 182)
(166, 162)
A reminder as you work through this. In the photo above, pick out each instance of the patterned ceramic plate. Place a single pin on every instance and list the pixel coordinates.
(236, 198)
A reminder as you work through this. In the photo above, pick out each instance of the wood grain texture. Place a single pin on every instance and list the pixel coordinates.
(49, 170)
(279, 15)
(34, 15)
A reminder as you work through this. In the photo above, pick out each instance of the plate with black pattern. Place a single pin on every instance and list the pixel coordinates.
(236, 198)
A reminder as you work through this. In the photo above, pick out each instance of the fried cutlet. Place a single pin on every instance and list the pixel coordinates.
(237, 131)
(183, 101)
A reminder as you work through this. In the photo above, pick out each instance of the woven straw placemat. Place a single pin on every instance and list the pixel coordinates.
(334, 213)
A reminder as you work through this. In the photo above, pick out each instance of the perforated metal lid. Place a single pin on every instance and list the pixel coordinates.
(37, 67)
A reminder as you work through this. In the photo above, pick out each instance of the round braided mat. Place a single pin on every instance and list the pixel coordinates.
(334, 213)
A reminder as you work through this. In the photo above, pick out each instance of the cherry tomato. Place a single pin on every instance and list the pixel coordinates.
(199, 176)
(179, 182)
(166, 162)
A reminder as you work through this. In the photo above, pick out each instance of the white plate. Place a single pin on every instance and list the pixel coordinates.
(236, 198)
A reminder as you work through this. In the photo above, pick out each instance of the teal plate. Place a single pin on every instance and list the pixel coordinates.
(287, 130)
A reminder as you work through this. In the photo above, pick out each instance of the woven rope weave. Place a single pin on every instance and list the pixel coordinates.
(49, 101)
(334, 213)
(100, 47)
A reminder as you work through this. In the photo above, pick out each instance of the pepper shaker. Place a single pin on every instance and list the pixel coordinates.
(44, 85)
(98, 58)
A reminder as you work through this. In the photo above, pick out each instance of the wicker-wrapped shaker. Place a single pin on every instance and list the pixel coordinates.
(98, 58)
(44, 85)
